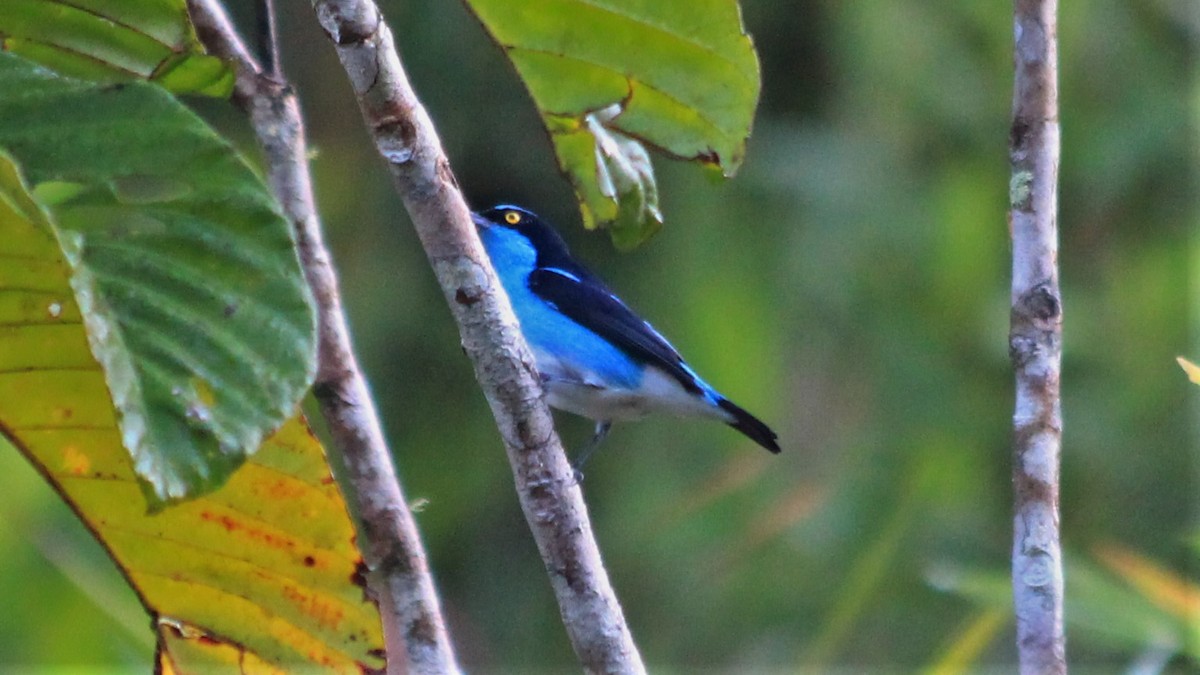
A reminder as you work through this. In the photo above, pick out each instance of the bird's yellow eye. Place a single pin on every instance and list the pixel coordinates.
(512, 217)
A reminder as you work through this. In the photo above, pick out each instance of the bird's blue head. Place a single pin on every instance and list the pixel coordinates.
(518, 237)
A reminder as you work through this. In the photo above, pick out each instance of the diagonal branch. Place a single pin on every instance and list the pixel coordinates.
(552, 503)
(401, 583)
(1035, 340)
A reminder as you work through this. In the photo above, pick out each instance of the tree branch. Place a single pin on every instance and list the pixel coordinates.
(400, 583)
(1035, 340)
(552, 503)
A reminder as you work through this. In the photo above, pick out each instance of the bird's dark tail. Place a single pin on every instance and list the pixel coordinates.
(751, 426)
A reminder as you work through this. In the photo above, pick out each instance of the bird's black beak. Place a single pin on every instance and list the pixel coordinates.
(480, 222)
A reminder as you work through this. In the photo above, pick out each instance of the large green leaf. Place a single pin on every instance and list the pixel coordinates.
(610, 75)
(114, 40)
(263, 570)
(186, 274)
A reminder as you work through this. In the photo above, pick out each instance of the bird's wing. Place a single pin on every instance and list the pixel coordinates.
(587, 301)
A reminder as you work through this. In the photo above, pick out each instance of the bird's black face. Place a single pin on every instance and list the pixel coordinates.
(513, 217)
(545, 240)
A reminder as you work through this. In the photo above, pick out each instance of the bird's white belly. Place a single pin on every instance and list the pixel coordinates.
(585, 394)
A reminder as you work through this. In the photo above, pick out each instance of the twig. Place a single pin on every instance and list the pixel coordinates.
(401, 583)
(267, 37)
(1035, 340)
(552, 503)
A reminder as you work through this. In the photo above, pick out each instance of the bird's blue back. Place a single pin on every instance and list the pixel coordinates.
(545, 328)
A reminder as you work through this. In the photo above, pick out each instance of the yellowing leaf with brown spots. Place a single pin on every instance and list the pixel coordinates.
(261, 574)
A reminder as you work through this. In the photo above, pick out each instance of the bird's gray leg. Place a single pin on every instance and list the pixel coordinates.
(602, 428)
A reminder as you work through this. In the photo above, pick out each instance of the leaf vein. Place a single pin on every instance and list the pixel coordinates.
(119, 23)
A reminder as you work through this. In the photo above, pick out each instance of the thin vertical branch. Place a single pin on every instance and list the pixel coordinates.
(552, 503)
(401, 584)
(267, 34)
(1035, 339)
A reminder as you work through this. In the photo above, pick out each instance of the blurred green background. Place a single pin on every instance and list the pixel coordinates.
(850, 286)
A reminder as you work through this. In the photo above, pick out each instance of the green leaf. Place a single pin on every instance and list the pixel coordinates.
(186, 275)
(261, 571)
(609, 76)
(113, 41)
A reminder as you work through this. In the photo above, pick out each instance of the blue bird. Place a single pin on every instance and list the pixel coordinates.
(595, 356)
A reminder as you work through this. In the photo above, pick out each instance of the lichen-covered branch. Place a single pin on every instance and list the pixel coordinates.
(1035, 340)
(552, 503)
(400, 582)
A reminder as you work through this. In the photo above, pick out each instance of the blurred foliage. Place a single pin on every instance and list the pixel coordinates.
(850, 286)
(1115, 598)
